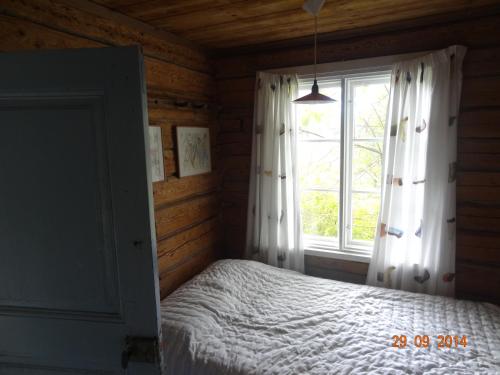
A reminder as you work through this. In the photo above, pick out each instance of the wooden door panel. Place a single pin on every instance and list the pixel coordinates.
(93, 344)
(49, 149)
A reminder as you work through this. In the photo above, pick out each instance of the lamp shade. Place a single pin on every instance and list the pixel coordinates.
(314, 97)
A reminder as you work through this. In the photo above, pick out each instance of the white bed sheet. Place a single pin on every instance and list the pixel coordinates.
(244, 317)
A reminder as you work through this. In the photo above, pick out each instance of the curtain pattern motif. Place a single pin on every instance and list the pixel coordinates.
(415, 242)
(273, 224)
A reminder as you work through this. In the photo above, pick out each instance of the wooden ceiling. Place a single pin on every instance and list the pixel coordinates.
(217, 24)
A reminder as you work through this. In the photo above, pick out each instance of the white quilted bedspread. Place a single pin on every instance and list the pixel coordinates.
(244, 317)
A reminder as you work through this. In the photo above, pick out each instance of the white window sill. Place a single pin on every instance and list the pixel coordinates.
(327, 247)
(356, 256)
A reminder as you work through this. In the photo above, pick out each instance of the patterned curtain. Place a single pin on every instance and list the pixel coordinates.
(415, 244)
(273, 225)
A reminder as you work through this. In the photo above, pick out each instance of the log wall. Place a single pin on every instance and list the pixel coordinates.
(478, 185)
(181, 91)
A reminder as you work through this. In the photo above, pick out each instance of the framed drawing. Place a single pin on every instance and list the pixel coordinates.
(193, 150)
(156, 154)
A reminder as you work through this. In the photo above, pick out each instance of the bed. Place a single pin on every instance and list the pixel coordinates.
(244, 317)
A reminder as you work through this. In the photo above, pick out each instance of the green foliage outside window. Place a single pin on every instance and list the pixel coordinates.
(320, 213)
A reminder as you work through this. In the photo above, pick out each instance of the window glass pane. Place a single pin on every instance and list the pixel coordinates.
(365, 208)
(319, 165)
(370, 99)
(320, 213)
(366, 165)
(367, 114)
(320, 121)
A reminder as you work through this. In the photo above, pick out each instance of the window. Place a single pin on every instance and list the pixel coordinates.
(340, 164)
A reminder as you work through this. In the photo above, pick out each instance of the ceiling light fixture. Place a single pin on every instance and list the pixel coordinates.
(313, 7)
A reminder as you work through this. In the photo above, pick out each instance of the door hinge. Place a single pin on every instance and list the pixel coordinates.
(140, 349)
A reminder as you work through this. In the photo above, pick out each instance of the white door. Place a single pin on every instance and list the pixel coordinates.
(78, 275)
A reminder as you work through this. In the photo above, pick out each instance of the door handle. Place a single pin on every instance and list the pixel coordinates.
(140, 349)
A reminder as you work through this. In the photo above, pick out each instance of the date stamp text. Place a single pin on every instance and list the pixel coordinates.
(425, 341)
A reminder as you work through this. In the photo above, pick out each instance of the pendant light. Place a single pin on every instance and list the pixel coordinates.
(313, 7)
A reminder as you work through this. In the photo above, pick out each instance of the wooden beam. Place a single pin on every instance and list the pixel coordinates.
(471, 178)
(479, 123)
(477, 33)
(361, 32)
(172, 279)
(176, 189)
(172, 251)
(173, 219)
(83, 19)
(133, 23)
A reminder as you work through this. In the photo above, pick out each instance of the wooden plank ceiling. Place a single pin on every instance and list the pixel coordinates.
(218, 24)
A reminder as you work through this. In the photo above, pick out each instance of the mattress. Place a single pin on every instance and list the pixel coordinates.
(244, 317)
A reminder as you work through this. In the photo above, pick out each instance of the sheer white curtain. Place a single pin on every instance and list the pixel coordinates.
(273, 226)
(415, 243)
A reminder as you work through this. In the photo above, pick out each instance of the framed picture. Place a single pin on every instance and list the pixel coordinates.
(156, 154)
(193, 150)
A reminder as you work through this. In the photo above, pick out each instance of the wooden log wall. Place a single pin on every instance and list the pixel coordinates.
(478, 185)
(181, 91)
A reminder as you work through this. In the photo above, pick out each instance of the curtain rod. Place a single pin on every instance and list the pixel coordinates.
(356, 65)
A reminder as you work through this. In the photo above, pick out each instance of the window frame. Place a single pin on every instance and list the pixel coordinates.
(344, 247)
